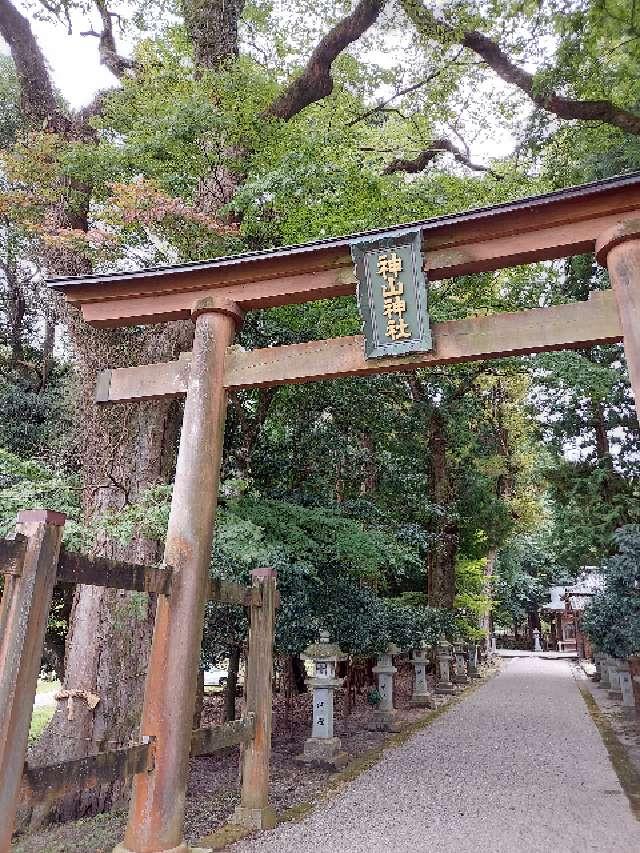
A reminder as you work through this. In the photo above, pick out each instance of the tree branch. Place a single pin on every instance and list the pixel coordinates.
(37, 98)
(400, 93)
(316, 81)
(563, 107)
(438, 146)
(495, 57)
(382, 105)
(109, 56)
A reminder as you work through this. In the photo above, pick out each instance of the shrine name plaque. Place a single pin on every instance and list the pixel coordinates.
(392, 294)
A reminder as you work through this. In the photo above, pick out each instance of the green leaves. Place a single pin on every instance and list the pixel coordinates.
(28, 484)
(612, 620)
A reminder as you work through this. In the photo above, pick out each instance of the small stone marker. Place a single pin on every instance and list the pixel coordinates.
(322, 747)
(460, 674)
(536, 640)
(421, 697)
(472, 665)
(626, 685)
(444, 685)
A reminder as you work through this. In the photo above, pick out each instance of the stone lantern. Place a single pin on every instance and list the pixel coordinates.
(472, 653)
(536, 640)
(385, 713)
(614, 680)
(604, 673)
(598, 659)
(444, 685)
(626, 684)
(460, 673)
(322, 747)
(494, 646)
(421, 697)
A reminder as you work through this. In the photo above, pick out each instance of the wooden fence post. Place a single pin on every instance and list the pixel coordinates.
(254, 810)
(24, 614)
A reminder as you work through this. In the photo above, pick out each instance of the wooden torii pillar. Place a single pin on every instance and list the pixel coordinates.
(557, 225)
(156, 818)
(619, 250)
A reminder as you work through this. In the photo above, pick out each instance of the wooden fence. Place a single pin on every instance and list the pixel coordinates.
(32, 563)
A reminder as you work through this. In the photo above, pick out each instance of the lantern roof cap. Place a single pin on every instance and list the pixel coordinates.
(324, 651)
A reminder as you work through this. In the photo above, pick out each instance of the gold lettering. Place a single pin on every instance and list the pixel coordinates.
(397, 329)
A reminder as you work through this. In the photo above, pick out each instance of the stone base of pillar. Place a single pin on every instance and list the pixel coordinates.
(615, 694)
(384, 721)
(323, 752)
(264, 818)
(459, 679)
(423, 700)
(445, 688)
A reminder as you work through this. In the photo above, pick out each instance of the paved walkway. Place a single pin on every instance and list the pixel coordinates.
(516, 767)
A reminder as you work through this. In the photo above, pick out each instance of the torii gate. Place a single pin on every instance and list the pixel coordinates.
(216, 294)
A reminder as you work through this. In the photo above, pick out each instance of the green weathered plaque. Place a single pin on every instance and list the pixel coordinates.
(392, 294)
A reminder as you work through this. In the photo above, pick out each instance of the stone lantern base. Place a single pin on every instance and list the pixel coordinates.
(384, 721)
(445, 688)
(264, 818)
(459, 679)
(423, 700)
(323, 752)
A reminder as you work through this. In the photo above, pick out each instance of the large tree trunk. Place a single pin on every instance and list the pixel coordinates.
(123, 449)
(212, 26)
(486, 618)
(441, 561)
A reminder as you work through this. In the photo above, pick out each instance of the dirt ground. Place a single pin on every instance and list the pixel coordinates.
(213, 791)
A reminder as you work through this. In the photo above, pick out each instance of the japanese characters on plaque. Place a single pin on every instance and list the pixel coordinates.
(392, 294)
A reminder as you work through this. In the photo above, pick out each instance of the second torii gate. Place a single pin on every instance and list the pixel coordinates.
(604, 216)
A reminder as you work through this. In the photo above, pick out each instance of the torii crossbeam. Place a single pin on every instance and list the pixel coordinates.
(604, 217)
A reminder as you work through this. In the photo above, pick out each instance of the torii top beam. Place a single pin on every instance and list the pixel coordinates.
(546, 227)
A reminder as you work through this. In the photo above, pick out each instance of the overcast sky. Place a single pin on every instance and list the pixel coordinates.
(73, 60)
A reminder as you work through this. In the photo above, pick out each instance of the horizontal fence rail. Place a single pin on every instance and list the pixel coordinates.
(98, 571)
(74, 568)
(52, 781)
(227, 592)
(206, 741)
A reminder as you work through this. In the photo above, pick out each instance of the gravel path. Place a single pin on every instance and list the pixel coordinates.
(516, 767)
